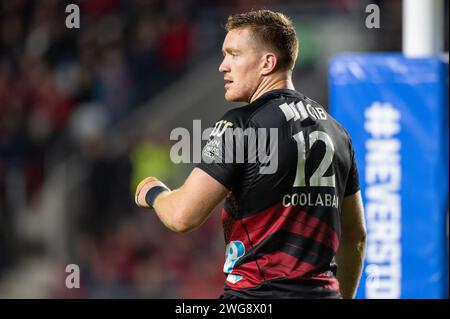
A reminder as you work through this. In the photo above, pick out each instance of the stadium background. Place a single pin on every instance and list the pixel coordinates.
(85, 113)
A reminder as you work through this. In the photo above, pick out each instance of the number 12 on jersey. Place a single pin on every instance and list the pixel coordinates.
(317, 178)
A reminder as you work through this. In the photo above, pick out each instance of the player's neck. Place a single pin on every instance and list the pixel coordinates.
(267, 85)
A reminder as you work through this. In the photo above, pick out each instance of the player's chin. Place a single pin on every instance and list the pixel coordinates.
(230, 97)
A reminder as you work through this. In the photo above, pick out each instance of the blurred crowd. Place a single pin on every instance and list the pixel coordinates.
(122, 55)
(60, 91)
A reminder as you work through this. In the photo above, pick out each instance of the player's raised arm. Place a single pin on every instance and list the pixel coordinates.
(183, 209)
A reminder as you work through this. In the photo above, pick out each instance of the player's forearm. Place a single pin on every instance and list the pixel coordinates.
(183, 209)
(173, 211)
(186, 208)
(350, 259)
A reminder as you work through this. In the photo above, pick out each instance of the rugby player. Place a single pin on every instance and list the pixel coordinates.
(296, 231)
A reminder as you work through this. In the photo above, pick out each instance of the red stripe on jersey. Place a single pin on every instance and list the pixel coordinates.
(251, 276)
(311, 227)
(281, 265)
(262, 224)
(329, 282)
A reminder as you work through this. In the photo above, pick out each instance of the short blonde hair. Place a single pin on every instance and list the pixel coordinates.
(274, 29)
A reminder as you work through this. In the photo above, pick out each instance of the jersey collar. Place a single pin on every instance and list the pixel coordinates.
(278, 93)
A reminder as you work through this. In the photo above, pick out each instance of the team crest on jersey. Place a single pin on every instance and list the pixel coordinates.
(220, 127)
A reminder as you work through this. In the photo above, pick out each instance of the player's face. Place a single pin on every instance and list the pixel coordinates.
(241, 65)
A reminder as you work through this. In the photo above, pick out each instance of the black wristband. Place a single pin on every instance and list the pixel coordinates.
(153, 193)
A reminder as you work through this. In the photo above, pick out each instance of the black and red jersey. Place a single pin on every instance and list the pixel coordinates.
(288, 164)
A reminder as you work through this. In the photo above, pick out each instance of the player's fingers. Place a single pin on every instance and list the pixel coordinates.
(143, 182)
(139, 188)
(140, 197)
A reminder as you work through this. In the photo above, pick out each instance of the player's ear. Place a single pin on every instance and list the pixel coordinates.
(269, 63)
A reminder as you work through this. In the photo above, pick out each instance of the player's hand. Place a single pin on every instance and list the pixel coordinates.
(144, 186)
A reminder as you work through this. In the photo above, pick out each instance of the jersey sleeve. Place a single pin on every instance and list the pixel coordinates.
(219, 153)
(352, 185)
